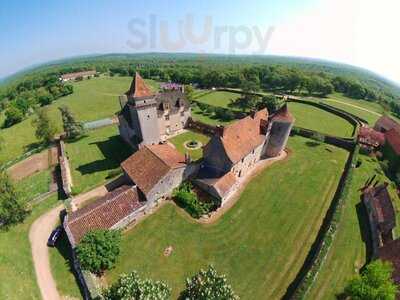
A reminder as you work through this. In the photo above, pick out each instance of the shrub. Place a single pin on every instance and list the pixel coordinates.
(316, 136)
(98, 250)
(186, 198)
(208, 285)
(72, 128)
(13, 116)
(131, 286)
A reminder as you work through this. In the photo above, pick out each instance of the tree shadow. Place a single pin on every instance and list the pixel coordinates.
(32, 146)
(114, 151)
(313, 144)
(63, 247)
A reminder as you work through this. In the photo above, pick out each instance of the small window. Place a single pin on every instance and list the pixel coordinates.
(166, 117)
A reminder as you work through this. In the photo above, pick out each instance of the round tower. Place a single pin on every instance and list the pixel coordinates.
(282, 123)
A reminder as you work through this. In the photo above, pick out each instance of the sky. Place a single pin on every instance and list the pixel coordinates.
(358, 32)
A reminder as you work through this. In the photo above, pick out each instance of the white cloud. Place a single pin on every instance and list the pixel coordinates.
(357, 32)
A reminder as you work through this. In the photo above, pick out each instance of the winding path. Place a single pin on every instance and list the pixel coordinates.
(38, 235)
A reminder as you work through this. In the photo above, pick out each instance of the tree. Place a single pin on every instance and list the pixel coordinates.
(271, 102)
(13, 116)
(131, 286)
(12, 208)
(72, 128)
(189, 91)
(98, 250)
(45, 128)
(374, 283)
(208, 285)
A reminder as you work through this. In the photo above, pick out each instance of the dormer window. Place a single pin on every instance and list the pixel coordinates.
(178, 103)
(166, 105)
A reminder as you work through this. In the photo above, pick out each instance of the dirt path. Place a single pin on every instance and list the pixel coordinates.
(38, 235)
(355, 106)
(82, 198)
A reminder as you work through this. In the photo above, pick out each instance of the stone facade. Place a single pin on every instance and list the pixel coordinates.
(148, 119)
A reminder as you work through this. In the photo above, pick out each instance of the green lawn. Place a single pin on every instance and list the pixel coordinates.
(311, 117)
(179, 141)
(199, 115)
(92, 99)
(34, 185)
(17, 274)
(94, 156)
(221, 99)
(348, 252)
(260, 243)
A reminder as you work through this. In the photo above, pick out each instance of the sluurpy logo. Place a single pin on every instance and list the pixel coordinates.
(155, 33)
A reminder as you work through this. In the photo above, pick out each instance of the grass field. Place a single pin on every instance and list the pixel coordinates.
(311, 117)
(221, 99)
(179, 141)
(34, 185)
(17, 275)
(348, 253)
(260, 243)
(92, 99)
(94, 156)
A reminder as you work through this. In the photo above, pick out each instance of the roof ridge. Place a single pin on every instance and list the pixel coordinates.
(158, 157)
(104, 203)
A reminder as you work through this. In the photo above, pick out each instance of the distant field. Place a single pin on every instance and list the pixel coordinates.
(260, 243)
(348, 252)
(221, 99)
(94, 156)
(17, 274)
(92, 99)
(317, 119)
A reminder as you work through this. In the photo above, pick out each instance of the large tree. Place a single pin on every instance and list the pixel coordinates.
(45, 128)
(131, 286)
(12, 208)
(13, 116)
(73, 128)
(208, 285)
(374, 283)
(99, 250)
(271, 102)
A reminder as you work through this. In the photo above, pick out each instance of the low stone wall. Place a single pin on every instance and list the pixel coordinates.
(201, 127)
(66, 177)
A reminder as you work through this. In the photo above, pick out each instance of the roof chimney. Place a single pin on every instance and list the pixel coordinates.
(219, 130)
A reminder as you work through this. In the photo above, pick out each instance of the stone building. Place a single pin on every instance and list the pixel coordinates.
(234, 150)
(156, 170)
(370, 139)
(390, 252)
(73, 76)
(147, 118)
(381, 214)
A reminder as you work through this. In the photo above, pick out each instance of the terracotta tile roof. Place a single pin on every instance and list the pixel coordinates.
(78, 74)
(283, 114)
(104, 212)
(241, 137)
(371, 136)
(221, 184)
(150, 164)
(139, 88)
(383, 207)
(391, 252)
(386, 123)
(393, 139)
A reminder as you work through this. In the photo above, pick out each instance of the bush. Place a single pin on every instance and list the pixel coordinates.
(131, 286)
(13, 116)
(186, 198)
(98, 250)
(208, 285)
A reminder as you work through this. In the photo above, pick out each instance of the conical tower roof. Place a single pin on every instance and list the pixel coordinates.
(139, 88)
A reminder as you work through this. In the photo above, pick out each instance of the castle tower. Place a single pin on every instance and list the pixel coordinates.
(143, 111)
(281, 125)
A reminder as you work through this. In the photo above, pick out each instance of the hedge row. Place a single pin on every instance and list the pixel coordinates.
(333, 223)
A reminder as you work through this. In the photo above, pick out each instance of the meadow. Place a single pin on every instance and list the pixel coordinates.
(260, 243)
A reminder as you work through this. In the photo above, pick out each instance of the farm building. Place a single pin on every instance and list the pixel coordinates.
(370, 139)
(74, 76)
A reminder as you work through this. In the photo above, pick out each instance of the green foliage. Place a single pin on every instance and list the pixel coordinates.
(99, 250)
(13, 116)
(374, 283)
(316, 136)
(12, 208)
(131, 286)
(186, 198)
(271, 102)
(73, 129)
(208, 285)
(189, 92)
(45, 128)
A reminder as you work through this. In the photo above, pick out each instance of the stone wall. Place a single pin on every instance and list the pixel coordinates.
(65, 169)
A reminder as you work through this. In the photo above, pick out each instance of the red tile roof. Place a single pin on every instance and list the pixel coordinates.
(386, 123)
(371, 136)
(391, 252)
(139, 88)
(393, 139)
(150, 164)
(103, 213)
(225, 183)
(283, 115)
(241, 137)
